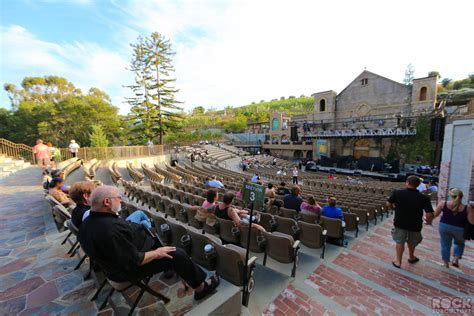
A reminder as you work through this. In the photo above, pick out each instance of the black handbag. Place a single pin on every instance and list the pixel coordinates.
(469, 231)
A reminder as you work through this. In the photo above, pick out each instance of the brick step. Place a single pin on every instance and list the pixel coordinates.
(430, 255)
(430, 243)
(355, 296)
(395, 281)
(445, 277)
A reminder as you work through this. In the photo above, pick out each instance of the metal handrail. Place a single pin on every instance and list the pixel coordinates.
(25, 152)
(17, 151)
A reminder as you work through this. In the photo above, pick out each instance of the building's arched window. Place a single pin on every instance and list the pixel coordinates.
(322, 105)
(275, 124)
(423, 91)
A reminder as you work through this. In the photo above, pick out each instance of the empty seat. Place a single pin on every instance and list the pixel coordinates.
(228, 232)
(289, 213)
(267, 222)
(282, 248)
(352, 222)
(230, 265)
(287, 226)
(308, 218)
(255, 236)
(313, 236)
(198, 254)
(334, 227)
(363, 217)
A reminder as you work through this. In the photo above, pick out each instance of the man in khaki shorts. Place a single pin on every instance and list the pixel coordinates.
(42, 155)
(409, 204)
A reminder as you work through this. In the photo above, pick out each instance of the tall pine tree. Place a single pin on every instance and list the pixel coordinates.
(154, 107)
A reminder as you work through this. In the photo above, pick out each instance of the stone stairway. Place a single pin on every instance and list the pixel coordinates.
(9, 165)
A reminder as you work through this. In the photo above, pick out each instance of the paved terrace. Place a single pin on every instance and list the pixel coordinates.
(37, 277)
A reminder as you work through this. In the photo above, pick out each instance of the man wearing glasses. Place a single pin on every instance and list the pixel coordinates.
(126, 251)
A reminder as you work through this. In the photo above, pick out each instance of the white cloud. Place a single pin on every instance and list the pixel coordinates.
(236, 52)
(255, 50)
(84, 64)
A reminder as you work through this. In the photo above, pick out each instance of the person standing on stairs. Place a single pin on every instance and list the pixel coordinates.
(409, 205)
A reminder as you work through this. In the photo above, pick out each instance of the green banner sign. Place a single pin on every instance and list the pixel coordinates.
(253, 193)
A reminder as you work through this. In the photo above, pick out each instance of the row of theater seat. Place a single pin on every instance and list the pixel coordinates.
(279, 242)
(209, 252)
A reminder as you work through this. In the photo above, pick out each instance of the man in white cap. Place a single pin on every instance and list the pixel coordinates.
(74, 148)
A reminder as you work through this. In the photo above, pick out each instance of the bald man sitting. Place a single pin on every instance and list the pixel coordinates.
(125, 250)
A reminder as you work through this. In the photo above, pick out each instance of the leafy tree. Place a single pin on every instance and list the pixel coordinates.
(154, 105)
(52, 108)
(98, 137)
(409, 75)
(445, 82)
(198, 110)
(434, 74)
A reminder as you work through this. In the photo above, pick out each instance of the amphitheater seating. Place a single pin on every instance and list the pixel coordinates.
(334, 227)
(136, 175)
(313, 236)
(282, 248)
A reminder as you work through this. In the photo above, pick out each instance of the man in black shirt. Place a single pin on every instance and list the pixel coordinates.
(282, 190)
(409, 205)
(293, 201)
(125, 250)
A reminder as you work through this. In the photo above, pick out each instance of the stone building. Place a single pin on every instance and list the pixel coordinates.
(361, 120)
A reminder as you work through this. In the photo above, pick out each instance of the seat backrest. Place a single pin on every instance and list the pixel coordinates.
(177, 232)
(256, 233)
(180, 211)
(279, 246)
(68, 223)
(351, 220)
(333, 226)
(308, 217)
(265, 221)
(286, 225)
(228, 231)
(198, 241)
(288, 213)
(169, 207)
(192, 221)
(363, 217)
(311, 235)
(230, 263)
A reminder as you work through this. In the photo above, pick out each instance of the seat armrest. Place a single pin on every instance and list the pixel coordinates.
(296, 244)
(252, 261)
(325, 232)
(343, 224)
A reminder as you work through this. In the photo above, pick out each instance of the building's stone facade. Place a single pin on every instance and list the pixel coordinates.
(370, 101)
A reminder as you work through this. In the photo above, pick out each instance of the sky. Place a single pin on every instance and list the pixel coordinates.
(232, 53)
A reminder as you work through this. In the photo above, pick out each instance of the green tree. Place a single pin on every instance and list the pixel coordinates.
(154, 107)
(434, 74)
(445, 82)
(198, 110)
(52, 108)
(98, 137)
(409, 75)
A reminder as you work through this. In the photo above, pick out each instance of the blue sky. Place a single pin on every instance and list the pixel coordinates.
(235, 52)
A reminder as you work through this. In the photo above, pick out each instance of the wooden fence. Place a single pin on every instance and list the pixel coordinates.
(25, 152)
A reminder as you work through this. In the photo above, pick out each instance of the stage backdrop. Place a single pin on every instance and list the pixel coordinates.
(322, 149)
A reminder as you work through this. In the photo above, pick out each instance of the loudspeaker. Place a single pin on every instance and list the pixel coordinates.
(294, 134)
(437, 129)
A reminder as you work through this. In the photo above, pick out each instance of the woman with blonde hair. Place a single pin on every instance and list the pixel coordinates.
(454, 218)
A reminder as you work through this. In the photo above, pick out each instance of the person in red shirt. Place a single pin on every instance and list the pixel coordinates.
(42, 155)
